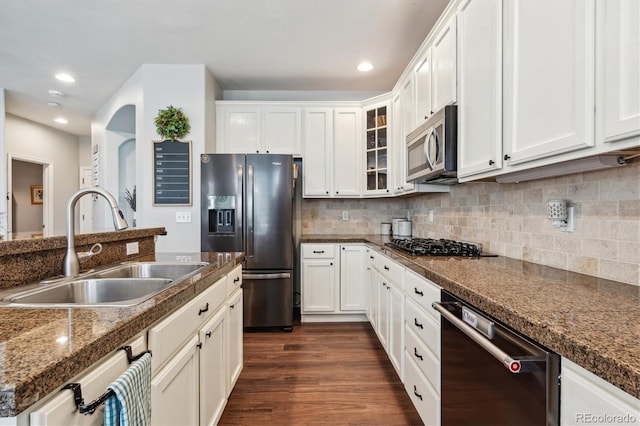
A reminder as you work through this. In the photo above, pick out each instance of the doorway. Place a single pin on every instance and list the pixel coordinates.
(29, 208)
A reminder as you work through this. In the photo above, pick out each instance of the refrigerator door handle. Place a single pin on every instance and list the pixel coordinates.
(250, 212)
(266, 276)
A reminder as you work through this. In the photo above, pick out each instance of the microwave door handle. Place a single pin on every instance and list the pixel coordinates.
(427, 142)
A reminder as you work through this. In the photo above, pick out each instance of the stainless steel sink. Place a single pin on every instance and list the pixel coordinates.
(171, 270)
(124, 285)
(94, 291)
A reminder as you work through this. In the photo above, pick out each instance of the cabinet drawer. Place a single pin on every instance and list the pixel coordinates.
(234, 280)
(424, 397)
(390, 269)
(318, 251)
(61, 409)
(428, 363)
(424, 326)
(167, 336)
(423, 292)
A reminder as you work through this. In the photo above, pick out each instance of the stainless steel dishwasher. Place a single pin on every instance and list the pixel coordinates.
(491, 375)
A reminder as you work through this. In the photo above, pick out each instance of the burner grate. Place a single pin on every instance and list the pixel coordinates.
(433, 247)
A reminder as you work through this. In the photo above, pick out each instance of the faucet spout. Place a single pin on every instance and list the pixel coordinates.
(71, 262)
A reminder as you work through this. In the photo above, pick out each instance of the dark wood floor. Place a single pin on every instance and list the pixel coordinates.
(336, 374)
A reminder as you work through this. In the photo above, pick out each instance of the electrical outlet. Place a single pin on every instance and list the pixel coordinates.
(430, 216)
(132, 248)
(183, 217)
(345, 215)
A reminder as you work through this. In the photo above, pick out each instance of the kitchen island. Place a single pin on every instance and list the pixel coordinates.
(591, 321)
(41, 349)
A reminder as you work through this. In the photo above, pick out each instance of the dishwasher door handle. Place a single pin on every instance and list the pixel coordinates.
(524, 364)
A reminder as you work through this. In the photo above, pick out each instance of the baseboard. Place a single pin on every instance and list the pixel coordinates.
(334, 318)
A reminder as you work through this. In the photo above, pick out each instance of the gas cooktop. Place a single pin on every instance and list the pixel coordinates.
(432, 247)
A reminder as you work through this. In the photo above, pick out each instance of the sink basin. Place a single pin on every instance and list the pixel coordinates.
(124, 285)
(171, 270)
(94, 291)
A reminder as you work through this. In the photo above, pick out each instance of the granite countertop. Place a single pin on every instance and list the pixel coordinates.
(41, 349)
(591, 321)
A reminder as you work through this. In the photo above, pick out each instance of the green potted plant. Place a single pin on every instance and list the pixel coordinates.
(171, 123)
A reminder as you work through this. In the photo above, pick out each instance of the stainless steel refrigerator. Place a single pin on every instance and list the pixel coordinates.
(247, 206)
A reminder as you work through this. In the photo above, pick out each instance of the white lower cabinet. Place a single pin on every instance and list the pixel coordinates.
(234, 340)
(422, 349)
(197, 353)
(422, 394)
(333, 285)
(174, 390)
(587, 399)
(61, 409)
(213, 366)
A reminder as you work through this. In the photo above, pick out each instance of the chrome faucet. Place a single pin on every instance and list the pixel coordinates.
(71, 262)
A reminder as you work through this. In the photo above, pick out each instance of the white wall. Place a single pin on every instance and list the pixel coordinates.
(3, 170)
(151, 88)
(27, 138)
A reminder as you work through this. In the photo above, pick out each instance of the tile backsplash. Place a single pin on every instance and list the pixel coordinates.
(510, 220)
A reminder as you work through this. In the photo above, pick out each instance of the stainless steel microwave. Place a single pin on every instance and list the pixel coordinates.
(432, 152)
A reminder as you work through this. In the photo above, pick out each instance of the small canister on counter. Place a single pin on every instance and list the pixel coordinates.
(385, 228)
(405, 228)
(395, 225)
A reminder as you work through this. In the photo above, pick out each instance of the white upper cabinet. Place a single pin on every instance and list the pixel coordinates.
(548, 78)
(479, 87)
(443, 66)
(618, 70)
(318, 147)
(347, 152)
(254, 128)
(423, 108)
(282, 134)
(238, 129)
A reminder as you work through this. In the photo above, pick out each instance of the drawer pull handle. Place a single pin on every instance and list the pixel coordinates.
(417, 355)
(417, 324)
(202, 311)
(236, 280)
(415, 392)
(371, 257)
(416, 291)
(232, 306)
(208, 334)
(386, 268)
(318, 251)
(199, 345)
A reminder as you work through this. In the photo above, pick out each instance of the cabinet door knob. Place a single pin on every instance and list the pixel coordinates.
(506, 157)
(327, 192)
(491, 162)
(232, 306)
(257, 152)
(208, 334)
(342, 248)
(267, 151)
(331, 264)
(199, 345)
(337, 192)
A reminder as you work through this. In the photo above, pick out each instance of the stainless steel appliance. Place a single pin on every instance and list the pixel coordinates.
(247, 206)
(432, 247)
(490, 374)
(432, 149)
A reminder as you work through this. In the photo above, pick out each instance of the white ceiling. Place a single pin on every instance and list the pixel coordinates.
(302, 45)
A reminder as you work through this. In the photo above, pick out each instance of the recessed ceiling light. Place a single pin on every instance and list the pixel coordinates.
(56, 94)
(365, 66)
(67, 78)
(61, 120)
(54, 104)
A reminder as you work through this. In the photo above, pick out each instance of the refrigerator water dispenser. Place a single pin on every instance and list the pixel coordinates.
(222, 213)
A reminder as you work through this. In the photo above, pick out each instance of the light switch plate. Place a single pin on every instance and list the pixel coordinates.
(345, 215)
(183, 217)
(132, 248)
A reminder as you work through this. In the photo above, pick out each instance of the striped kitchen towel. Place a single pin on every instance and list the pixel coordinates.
(131, 403)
